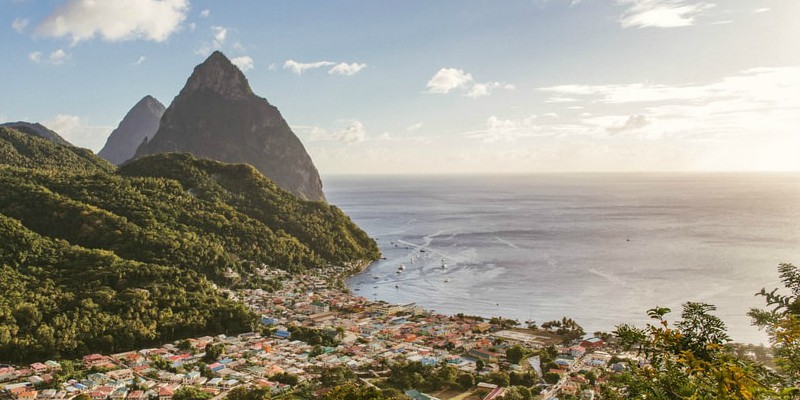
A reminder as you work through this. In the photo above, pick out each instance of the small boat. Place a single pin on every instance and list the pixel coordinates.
(401, 268)
(447, 280)
(421, 250)
(376, 277)
(397, 286)
(444, 266)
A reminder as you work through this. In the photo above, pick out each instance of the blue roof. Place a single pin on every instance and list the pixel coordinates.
(283, 334)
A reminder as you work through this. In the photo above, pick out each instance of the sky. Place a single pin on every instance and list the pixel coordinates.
(423, 87)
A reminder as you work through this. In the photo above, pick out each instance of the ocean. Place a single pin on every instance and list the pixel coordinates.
(599, 248)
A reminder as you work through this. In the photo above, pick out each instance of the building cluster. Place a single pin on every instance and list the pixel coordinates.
(368, 336)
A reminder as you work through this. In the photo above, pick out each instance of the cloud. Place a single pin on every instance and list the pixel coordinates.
(353, 133)
(56, 57)
(661, 13)
(220, 33)
(415, 127)
(140, 60)
(118, 20)
(485, 89)
(244, 63)
(19, 24)
(347, 69)
(298, 67)
(449, 79)
(205, 13)
(35, 56)
(339, 68)
(633, 123)
(79, 131)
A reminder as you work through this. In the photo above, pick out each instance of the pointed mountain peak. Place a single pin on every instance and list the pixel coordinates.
(149, 103)
(218, 74)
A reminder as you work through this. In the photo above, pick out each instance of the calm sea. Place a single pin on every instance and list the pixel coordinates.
(599, 248)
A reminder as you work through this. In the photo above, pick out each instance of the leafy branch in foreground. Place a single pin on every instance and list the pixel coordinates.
(782, 324)
(686, 360)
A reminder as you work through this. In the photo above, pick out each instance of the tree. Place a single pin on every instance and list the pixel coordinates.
(466, 381)
(191, 393)
(782, 324)
(479, 365)
(213, 352)
(515, 353)
(686, 361)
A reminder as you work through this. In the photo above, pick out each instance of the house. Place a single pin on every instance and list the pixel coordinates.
(92, 360)
(97, 395)
(120, 374)
(165, 394)
(318, 307)
(119, 394)
(592, 343)
(39, 368)
(416, 395)
(27, 395)
(53, 365)
(137, 395)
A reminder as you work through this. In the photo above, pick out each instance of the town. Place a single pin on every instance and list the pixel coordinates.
(312, 325)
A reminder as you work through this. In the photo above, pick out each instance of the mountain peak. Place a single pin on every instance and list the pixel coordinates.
(217, 116)
(219, 75)
(141, 121)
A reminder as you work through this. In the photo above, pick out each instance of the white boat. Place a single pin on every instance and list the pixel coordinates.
(444, 266)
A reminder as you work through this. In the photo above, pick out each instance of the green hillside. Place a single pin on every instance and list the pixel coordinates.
(173, 222)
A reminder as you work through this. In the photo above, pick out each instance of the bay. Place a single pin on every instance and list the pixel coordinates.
(598, 248)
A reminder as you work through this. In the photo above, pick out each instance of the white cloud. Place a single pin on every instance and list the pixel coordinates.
(415, 127)
(634, 122)
(116, 20)
(339, 68)
(220, 34)
(353, 133)
(347, 69)
(205, 13)
(19, 24)
(35, 56)
(485, 89)
(661, 13)
(140, 60)
(56, 57)
(298, 67)
(244, 63)
(79, 131)
(449, 79)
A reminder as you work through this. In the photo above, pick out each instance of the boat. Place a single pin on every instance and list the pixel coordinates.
(447, 280)
(444, 266)
(401, 268)
(397, 286)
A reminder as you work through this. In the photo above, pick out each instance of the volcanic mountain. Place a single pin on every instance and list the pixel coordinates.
(216, 115)
(140, 122)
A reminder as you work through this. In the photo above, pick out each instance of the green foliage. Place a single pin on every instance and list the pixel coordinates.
(19, 149)
(782, 324)
(97, 261)
(566, 327)
(213, 352)
(335, 376)
(516, 353)
(249, 393)
(415, 375)
(314, 336)
(191, 393)
(686, 361)
(351, 391)
(285, 378)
